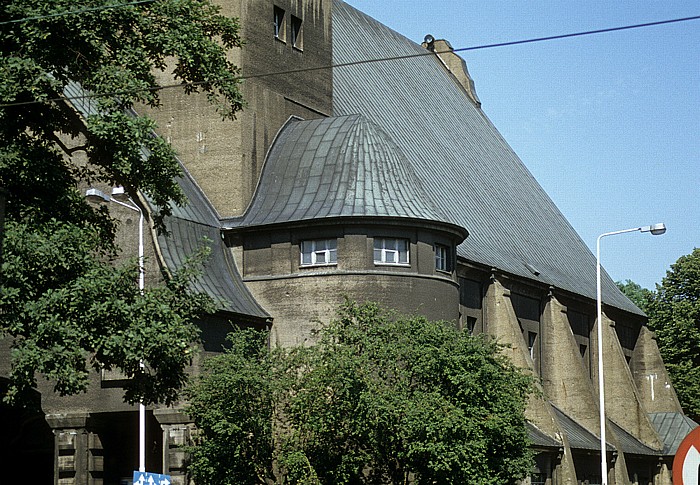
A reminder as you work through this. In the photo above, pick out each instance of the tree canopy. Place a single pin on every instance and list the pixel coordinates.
(380, 398)
(63, 303)
(674, 315)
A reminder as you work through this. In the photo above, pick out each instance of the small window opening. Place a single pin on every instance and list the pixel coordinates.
(297, 33)
(319, 252)
(279, 23)
(442, 262)
(471, 325)
(390, 251)
(531, 338)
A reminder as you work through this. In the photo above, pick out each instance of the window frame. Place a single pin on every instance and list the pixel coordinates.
(279, 22)
(297, 33)
(328, 247)
(396, 250)
(443, 261)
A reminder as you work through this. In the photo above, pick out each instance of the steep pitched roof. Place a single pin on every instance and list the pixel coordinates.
(337, 167)
(461, 159)
(630, 444)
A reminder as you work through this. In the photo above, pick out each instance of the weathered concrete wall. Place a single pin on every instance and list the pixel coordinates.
(650, 376)
(301, 296)
(225, 157)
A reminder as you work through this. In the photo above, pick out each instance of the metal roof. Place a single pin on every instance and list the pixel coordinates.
(336, 167)
(579, 437)
(630, 444)
(672, 429)
(540, 438)
(188, 228)
(460, 157)
(192, 226)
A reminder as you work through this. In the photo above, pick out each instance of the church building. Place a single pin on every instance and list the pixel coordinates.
(364, 165)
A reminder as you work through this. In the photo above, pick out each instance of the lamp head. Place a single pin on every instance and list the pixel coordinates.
(120, 194)
(655, 229)
(96, 196)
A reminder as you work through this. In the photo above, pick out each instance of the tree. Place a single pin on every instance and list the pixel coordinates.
(639, 296)
(674, 314)
(379, 399)
(63, 303)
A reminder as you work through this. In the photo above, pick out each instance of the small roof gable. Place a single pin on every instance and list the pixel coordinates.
(343, 166)
(672, 428)
(460, 157)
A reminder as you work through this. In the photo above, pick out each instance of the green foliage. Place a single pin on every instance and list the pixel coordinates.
(674, 314)
(112, 53)
(639, 296)
(379, 399)
(65, 307)
(69, 311)
(233, 408)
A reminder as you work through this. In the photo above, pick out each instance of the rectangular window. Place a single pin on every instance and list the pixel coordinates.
(279, 23)
(390, 251)
(471, 325)
(527, 309)
(319, 252)
(442, 260)
(297, 33)
(531, 340)
(470, 305)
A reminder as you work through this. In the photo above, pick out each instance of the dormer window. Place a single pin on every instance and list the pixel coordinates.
(318, 252)
(390, 250)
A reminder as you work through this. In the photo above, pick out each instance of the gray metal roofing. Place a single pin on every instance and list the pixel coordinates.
(188, 228)
(462, 160)
(540, 438)
(192, 226)
(672, 429)
(579, 437)
(630, 444)
(336, 167)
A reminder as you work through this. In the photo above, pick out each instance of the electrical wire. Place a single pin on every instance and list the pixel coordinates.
(75, 12)
(367, 61)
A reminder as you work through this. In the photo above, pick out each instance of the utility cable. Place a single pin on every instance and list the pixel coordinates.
(368, 61)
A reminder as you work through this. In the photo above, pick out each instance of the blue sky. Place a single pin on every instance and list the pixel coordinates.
(609, 124)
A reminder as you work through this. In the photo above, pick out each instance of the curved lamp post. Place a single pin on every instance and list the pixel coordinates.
(121, 198)
(3, 198)
(656, 230)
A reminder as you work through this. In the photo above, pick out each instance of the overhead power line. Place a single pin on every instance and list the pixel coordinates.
(75, 12)
(368, 61)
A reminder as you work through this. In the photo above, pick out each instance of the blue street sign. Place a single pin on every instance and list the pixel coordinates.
(148, 478)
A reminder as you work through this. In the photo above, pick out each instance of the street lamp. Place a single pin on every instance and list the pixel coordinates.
(655, 230)
(3, 198)
(121, 198)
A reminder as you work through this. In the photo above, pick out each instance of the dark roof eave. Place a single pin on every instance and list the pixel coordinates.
(458, 232)
(544, 285)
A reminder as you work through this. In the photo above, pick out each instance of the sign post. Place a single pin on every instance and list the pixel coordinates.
(686, 464)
